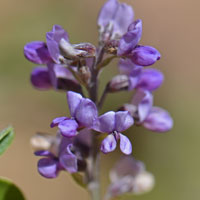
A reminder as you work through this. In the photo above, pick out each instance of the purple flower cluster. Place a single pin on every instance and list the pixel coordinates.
(70, 67)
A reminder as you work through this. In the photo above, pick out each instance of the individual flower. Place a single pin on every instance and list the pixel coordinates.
(61, 154)
(153, 118)
(129, 176)
(114, 123)
(83, 114)
(114, 19)
(54, 76)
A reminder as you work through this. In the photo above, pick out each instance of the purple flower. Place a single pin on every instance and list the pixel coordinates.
(114, 123)
(83, 113)
(114, 19)
(37, 52)
(130, 39)
(144, 55)
(129, 176)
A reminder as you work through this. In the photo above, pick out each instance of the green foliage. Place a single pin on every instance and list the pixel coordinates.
(6, 137)
(9, 191)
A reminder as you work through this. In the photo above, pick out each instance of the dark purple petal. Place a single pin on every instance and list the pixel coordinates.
(86, 112)
(158, 120)
(108, 144)
(65, 142)
(144, 101)
(125, 145)
(69, 162)
(37, 52)
(150, 79)
(48, 167)
(40, 78)
(128, 42)
(53, 38)
(105, 123)
(44, 153)
(58, 120)
(145, 55)
(68, 128)
(74, 100)
(123, 121)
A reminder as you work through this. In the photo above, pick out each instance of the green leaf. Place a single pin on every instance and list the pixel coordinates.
(9, 191)
(6, 137)
(78, 178)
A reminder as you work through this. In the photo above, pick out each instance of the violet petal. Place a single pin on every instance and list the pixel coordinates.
(68, 128)
(57, 120)
(125, 145)
(108, 144)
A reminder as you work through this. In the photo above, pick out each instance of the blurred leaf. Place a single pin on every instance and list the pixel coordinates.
(78, 178)
(6, 137)
(9, 191)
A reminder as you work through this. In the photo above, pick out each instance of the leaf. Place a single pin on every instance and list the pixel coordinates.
(78, 178)
(9, 191)
(6, 137)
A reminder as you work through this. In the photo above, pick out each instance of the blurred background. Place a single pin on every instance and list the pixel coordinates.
(170, 26)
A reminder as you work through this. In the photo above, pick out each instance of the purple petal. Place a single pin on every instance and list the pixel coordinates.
(126, 66)
(53, 38)
(44, 153)
(74, 100)
(150, 79)
(145, 55)
(86, 113)
(48, 167)
(123, 121)
(69, 162)
(144, 101)
(158, 120)
(134, 77)
(40, 78)
(108, 144)
(125, 145)
(58, 120)
(128, 42)
(37, 52)
(105, 123)
(68, 128)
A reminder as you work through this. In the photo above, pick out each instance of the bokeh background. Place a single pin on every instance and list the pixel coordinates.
(171, 26)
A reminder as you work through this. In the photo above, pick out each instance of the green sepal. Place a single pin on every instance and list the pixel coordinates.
(79, 179)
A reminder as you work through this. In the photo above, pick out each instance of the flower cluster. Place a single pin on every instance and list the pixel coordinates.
(70, 67)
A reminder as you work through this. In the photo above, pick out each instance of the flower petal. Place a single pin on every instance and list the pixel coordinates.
(86, 113)
(40, 78)
(74, 100)
(105, 123)
(57, 120)
(48, 167)
(44, 153)
(53, 38)
(108, 144)
(128, 42)
(126, 66)
(125, 145)
(158, 120)
(145, 55)
(37, 52)
(123, 121)
(68, 128)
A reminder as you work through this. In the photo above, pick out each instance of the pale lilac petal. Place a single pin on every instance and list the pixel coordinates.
(144, 101)
(105, 123)
(57, 120)
(158, 120)
(108, 144)
(134, 77)
(150, 79)
(125, 145)
(53, 38)
(86, 112)
(128, 42)
(44, 153)
(74, 100)
(126, 66)
(123, 121)
(68, 128)
(48, 167)
(40, 78)
(145, 55)
(37, 52)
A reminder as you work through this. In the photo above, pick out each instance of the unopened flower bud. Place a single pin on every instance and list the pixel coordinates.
(118, 83)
